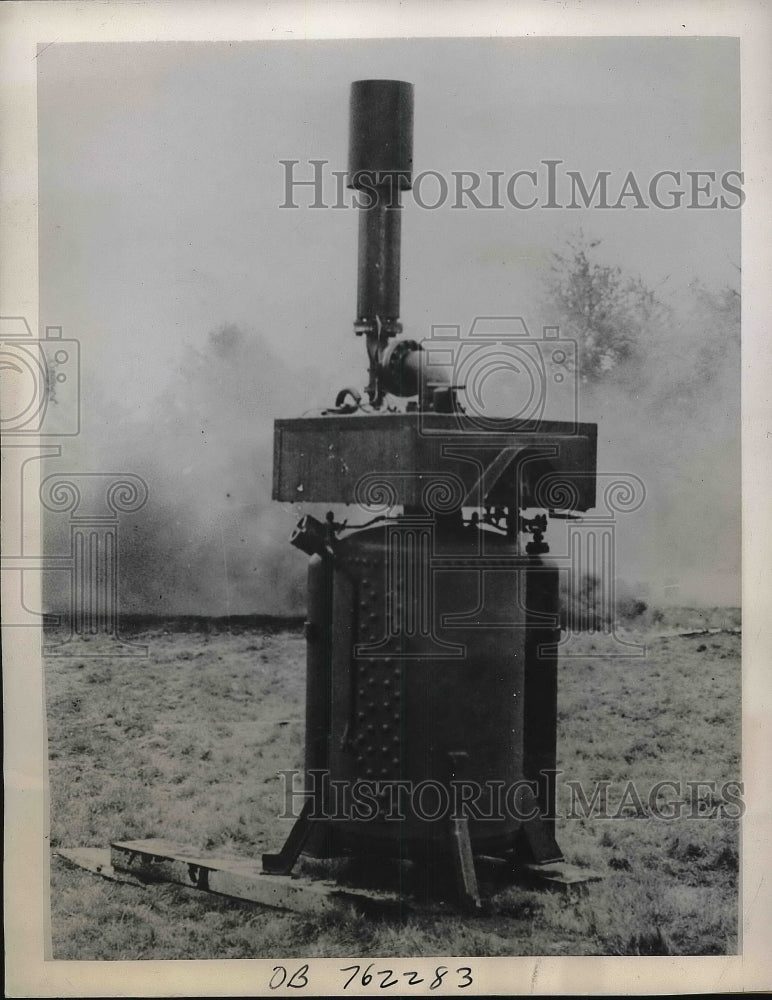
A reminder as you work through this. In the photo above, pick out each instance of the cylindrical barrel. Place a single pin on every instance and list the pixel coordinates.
(378, 265)
(380, 165)
(408, 370)
(381, 134)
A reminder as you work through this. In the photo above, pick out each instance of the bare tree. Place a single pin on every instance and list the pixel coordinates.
(601, 307)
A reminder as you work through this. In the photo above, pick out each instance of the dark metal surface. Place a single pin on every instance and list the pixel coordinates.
(380, 166)
(541, 683)
(318, 660)
(341, 459)
(283, 862)
(381, 133)
(378, 274)
(407, 370)
(467, 889)
(428, 662)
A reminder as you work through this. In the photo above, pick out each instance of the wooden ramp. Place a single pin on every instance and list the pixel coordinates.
(142, 861)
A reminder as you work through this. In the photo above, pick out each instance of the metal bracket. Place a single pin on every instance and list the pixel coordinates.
(283, 862)
(461, 857)
(462, 861)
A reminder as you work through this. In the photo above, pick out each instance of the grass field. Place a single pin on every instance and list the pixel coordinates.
(186, 743)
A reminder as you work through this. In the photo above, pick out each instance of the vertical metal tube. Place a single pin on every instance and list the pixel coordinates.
(380, 166)
(378, 265)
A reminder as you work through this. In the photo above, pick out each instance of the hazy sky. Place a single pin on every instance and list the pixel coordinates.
(160, 184)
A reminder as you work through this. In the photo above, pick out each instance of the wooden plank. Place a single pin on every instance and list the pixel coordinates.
(698, 632)
(97, 861)
(165, 861)
(558, 875)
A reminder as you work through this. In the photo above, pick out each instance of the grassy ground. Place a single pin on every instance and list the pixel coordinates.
(186, 744)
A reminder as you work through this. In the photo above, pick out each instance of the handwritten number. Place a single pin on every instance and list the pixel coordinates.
(348, 968)
(388, 979)
(438, 976)
(467, 977)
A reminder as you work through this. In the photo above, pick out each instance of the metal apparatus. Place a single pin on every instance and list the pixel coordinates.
(432, 632)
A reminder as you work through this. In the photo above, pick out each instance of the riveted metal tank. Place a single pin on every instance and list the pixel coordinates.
(420, 658)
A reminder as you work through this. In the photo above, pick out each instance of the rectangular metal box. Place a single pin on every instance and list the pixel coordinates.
(341, 459)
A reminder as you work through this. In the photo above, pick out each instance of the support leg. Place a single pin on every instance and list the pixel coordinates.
(535, 841)
(462, 862)
(283, 862)
(537, 844)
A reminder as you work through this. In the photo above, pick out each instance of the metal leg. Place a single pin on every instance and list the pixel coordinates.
(283, 862)
(536, 839)
(461, 857)
(463, 864)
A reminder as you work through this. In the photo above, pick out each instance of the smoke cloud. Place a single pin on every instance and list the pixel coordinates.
(672, 417)
(211, 541)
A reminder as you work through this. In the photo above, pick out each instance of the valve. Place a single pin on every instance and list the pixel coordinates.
(315, 538)
(536, 526)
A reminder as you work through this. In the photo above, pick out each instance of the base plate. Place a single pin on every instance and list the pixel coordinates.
(141, 862)
(558, 875)
(165, 861)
